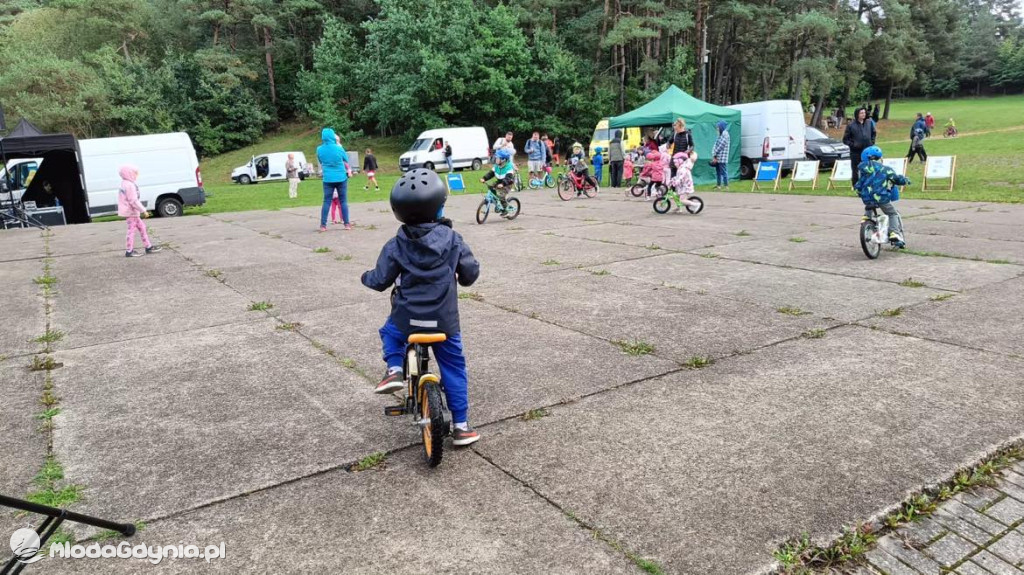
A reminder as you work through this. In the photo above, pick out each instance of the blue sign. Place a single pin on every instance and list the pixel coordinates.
(455, 183)
(768, 171)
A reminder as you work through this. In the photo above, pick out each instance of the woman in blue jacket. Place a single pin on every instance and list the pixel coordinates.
(334, 160)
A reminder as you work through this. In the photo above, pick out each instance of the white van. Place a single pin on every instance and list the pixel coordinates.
(267, 168)
(469, 149)
(169, 175)
(771, 131)
(17, 175)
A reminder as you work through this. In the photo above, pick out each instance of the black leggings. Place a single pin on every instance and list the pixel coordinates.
(918, 152)
(615, 173)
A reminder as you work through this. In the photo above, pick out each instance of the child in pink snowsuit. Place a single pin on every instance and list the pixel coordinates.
(652, 172)
(129, 206)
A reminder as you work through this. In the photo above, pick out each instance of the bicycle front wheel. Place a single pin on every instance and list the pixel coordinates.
(566, 190)
(482, 211)
(662, 205)
(512, 208)
(867, 243)
(432, 421)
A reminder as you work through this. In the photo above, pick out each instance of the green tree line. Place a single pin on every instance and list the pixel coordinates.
(225, 71)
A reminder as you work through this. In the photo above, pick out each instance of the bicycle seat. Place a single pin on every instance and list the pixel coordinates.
(427, 338)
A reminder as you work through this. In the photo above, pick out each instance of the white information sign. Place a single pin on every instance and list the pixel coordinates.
(898, 165)
(939, 167)
(805, 171)
(843, 171)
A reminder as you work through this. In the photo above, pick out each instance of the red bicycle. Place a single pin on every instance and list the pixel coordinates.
(573, 184)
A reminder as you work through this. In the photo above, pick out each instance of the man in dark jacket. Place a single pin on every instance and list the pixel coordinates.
(859, 135)
(425, 260)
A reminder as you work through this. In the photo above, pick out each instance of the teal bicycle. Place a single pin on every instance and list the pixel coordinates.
(507, 209)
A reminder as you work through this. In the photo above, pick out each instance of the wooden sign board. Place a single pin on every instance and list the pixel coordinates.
(842, 171)
(939, 168)
(767, 172)
(805, 172)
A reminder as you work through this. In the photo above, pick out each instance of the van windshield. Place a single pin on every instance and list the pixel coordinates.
(600, 134)
(420, 144)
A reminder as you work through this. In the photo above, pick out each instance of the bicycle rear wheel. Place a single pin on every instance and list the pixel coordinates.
(512, 210)
(591, 190)
(870, 247)
(695, 209)
(638, 190)
(549, 181)
(432, 416)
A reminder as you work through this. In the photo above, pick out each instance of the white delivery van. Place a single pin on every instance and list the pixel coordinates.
(17, 175)
(773, 131)
(469, 149)
(268, 168)
(169, 175)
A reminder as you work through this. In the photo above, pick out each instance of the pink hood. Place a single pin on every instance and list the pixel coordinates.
(128, 172)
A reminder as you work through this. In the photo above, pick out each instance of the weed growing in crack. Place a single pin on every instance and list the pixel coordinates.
(941, 296)
(742, 233)
(260, 306)
(471, 295)
(600, 272)
(911, 283)
(289, 326)
(699, 361)
(47, 363)
(797, 240)
(816, 333)
(635, 347)
(550, 262)
(371, 461)
(45, 280)
(535, 414)
(343, 257)
(51, 336)
(322, 250)
(894, 312)
(793, 311)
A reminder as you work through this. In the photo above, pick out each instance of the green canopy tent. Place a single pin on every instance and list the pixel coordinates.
(701, 118)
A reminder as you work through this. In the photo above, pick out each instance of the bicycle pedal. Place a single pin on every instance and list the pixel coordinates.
(394, 410)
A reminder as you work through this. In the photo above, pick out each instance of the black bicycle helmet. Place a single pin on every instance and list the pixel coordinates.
(417, 197)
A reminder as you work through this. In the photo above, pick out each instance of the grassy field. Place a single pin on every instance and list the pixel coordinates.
(990, 158)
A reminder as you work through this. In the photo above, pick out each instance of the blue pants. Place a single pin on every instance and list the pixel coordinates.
(722, 174)
(329, 188)
(450, 361)
(597, 172)
(448, 160)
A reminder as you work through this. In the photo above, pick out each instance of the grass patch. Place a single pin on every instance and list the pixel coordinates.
(793, 311)
(797, 240)
(289, 326)
(535, 414)
(349, 363)
(652, 247)
(911, 283)
(343, 257)
(699, 361)
(48, 414)
(45, 364)
(600, 273)
(322, 250)
(260, 306)
(816, 333)
(46, 280)
(954, 257)
(369, 462)
(51, 336)
(635, 347)
(742, 233)
(49, 492)
(894, 312)
(851, 546)
(550, 262)
(941, 296)
(648, 566)
(709, 255)
(471, 295)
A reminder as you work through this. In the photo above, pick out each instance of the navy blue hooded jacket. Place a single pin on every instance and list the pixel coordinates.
(429, 259)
